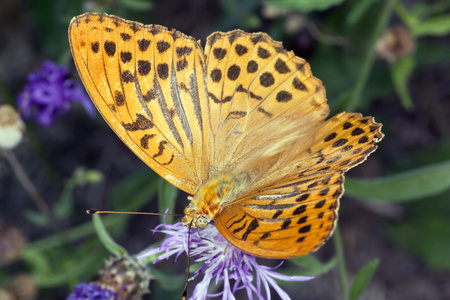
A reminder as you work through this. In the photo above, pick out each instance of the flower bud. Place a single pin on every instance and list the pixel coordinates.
(11, 127)
(125, 275)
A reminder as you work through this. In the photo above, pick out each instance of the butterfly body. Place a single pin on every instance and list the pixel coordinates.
(241, 125)
(210, 198)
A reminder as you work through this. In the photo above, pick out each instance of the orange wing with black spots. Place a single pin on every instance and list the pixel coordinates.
(261, 96)
(148, 84)
(245, 109)
(296, 214)
(290, 218)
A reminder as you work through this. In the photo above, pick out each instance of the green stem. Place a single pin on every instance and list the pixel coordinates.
(370, 56)
(341, 262)
(29, 187)
(404, 15)
(73, 234)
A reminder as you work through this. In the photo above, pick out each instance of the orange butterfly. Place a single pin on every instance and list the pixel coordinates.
(240, 125)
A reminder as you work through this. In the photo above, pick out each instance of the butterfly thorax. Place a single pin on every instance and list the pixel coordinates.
(211, 197)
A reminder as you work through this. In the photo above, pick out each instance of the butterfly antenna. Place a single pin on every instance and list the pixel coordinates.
(189, 262)
(92, 211)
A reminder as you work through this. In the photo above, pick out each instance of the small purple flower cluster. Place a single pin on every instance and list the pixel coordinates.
(85, 291)
(48, 94)
(222, 263)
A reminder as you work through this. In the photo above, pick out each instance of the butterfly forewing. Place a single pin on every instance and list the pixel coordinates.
(260, 94)
(137, 76)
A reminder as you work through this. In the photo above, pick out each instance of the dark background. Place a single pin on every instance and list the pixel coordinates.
(410, 239)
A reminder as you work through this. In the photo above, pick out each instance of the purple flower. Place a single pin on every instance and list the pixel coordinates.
(48, 94)
(91, 291)
(222, 262)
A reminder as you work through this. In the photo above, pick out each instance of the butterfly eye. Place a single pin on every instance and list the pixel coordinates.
(202, 221)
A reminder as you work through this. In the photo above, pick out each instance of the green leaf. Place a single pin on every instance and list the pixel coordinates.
(437, 26)
(73, 268)
(93, 176)
(428, 241)
(425, 232)
(167, 195)
(358, 10)
(409, 19)
(363, 278)
(400, 74)
(105, 238)
(304, 5)
(169, 282)
(64, 207)
(36, 218)
(134, 191)
(312, 265)
(36, 260)
(403, 187)
(136, 5)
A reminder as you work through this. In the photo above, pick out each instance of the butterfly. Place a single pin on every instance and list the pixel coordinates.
(240, 125)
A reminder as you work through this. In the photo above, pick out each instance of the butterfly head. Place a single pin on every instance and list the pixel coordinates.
(193, 219)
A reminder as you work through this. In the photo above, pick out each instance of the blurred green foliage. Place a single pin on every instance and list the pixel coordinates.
(362, 279)
(343, 36)
(304, 5)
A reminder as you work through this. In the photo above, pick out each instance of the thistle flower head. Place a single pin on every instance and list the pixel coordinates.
(126, 275)
(91, 291)
(123, 278)
(223, 263)
(48, 94)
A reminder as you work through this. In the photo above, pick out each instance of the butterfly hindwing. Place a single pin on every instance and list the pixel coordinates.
(296, 214)
(148, 84)
(343, 142)
(290, 218)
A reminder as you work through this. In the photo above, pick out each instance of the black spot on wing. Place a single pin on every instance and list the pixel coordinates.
(163, 71)
(182, 64)
(95, 47)
(263, 53)
(180, 51)
(236, 115)
(216, 75)
(266, 79)
(143, 44)
(219, 53)
(240, 49)
(110, 48)
(126, 77)
(251, 227)
(233, 72)
(125, 36)
(119, 98)
(141, 123)
(145, 139)
(330, 137)
(252, 66)
(162, 46)
(125, 56)
(281, 67)
(144, 67)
